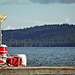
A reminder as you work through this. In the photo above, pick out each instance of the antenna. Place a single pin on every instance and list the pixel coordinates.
(2, 18)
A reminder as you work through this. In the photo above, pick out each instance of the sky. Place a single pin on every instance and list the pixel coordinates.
(29, 13)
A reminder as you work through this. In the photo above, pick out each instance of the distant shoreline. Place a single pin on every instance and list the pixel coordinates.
(41, 36)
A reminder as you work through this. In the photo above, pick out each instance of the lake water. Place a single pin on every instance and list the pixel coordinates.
(46, 56)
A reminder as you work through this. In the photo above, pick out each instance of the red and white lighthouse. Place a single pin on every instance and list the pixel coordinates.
(3, 54)
(3, 48)
(18, 59)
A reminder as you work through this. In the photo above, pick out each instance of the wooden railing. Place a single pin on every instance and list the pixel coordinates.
(64, 70)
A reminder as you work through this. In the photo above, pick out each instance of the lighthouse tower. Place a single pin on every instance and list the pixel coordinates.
(3, 48)
(18, 59)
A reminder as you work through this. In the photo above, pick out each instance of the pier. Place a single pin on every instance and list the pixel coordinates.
(50, 70)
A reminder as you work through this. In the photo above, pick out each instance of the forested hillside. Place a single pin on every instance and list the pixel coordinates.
(41, 36)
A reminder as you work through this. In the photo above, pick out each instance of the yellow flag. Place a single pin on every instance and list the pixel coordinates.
(2, 17)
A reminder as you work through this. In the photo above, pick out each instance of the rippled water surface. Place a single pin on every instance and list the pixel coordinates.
(46, 56)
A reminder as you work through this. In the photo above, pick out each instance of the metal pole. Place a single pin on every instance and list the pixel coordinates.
(0, 35)
(2, 18)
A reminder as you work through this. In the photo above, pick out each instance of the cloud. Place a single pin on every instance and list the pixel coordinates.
(67, 1)
(52, 1)
(18, 2)
(43, 1)
(8, 27)
(67, 20)
(12, 2)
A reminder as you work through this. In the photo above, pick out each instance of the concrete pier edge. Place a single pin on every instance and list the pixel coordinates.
(31, 70)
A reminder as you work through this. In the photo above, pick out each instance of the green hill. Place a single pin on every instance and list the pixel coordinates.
(41, 36)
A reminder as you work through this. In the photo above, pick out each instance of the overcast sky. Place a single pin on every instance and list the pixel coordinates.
(27, 13)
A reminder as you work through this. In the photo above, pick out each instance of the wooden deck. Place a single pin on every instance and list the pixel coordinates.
(65, 70)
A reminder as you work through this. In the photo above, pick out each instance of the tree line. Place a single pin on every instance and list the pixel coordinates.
(54, 35)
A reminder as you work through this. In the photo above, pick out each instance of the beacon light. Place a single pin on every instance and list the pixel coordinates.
(2, 17)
